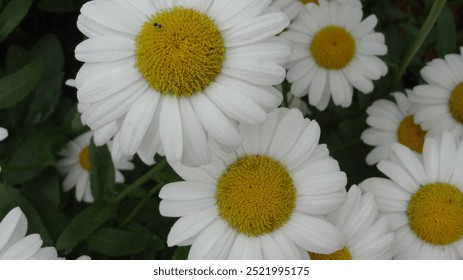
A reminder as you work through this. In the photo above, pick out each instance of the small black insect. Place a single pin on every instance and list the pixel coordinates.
(157, 25)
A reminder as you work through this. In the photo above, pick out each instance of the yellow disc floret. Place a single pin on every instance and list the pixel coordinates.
(456, 103)
(84, 159)
(179, 51)
(342, 254)
(255, 195)
(333, 47)
(411, 134)
(308, 1)
(435, 213)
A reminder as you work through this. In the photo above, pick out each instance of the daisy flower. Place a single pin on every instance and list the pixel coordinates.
(3, 133)
(334, 51)
(263, 201)
(168, 75)
(423, 199)
(76, 167)
(391, 123)
(293, 8)
(439, 103)
(15, 245)
(367, 236)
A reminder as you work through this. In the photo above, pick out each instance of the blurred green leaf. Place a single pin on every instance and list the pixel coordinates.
(181, 253)
(15, 87)
(82, 226)
(48, 90)
(102, 175)
(116, 242)
(12, 15)
(33, 154)
(446, 32)
(10, 198)
(60, 6)
(16, 58)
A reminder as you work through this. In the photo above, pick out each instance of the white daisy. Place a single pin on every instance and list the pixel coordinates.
(367, 236)
(423, 199)
(15, 245)
(439, 103)
(3, 133)
(334, 51)
(264, 201)
(391, 123)
(293, 8)
(170, 74)
(76, 167)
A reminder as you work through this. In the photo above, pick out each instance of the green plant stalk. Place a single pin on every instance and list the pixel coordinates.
(140, 181)
(433, 15)
(140, 205)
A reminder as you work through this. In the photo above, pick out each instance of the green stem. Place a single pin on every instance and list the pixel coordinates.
(140, 181)
(141, 204)
(433, 15)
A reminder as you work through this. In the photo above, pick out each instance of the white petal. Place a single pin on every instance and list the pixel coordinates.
(189, 226)
(212, 243)
(170, 129)
(214, 122)
(313, 234)
(137, 121)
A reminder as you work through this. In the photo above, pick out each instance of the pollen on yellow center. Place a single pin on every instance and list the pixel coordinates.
(255, 195)
(342, 254)
(333, 47)
(179, 51)
(84, 159)
(435, 213)
(411, 134)
(456, 103)
(308, 1)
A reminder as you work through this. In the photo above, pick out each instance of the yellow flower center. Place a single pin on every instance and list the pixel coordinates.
(411, 134)
(435, 213)
(333, 47)
(456, 103)
(255, 195)
(84, 159)
(308, 1)
(342, 254)
(179, 51)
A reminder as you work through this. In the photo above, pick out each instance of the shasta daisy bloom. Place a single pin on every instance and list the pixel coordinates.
(75, 165)
(293, 8)
(263, 201)
(391, 123)
(367, 235)
(171, 74)
(423, 199)
(334, 51)
(439, 103)
(15, 245)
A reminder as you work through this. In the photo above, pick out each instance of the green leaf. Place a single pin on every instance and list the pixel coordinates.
(102, 175)
(48, 90)
(60, 6)
(12, 15)
(446, 32)
(15, 87)
(82, 226)
(10, 198)
(116, 242)
(33, 154)
(16, 58)
(181, 253)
